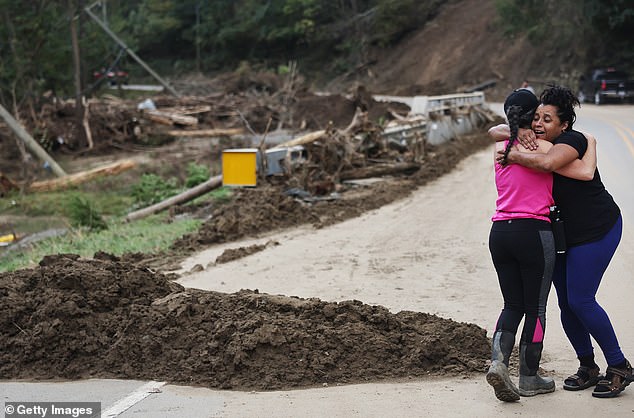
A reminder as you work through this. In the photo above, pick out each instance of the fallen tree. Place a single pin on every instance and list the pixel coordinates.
(82, 177)
(186, 196)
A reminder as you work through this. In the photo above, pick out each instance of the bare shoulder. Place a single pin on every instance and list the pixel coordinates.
(589, 137)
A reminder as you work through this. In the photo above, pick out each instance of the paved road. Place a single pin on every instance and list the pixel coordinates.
(614, 128)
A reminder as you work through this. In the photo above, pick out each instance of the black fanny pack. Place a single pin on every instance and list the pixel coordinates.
(559, 232)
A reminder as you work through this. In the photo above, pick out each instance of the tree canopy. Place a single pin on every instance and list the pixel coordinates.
(183, 35)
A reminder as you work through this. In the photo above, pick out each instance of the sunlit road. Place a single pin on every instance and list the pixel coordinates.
(613, 126)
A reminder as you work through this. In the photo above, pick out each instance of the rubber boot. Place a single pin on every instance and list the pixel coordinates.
(498, 375)
(531, 383)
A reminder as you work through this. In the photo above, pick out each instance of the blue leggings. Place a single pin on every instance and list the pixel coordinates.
(577, 277)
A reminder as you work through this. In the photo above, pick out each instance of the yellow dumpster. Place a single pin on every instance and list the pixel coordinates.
(239, 167)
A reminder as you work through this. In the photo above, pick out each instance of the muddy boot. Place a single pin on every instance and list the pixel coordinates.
(531, 383)
(498, 375)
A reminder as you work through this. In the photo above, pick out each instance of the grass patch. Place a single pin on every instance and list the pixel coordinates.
(149, 235)
(107, 201)
(96, 210)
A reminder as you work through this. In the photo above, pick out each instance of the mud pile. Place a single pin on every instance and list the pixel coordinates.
(71, 318)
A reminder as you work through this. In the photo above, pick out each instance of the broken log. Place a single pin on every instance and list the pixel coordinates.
(187, 110)
(378, 170)
(305, 139)
(82, 177)
(212, 183)
(207, 132)
(170, 118)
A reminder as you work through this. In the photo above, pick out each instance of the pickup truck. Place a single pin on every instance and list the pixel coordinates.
(606, 84)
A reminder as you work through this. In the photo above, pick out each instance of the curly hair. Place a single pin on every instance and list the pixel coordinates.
(564, 100)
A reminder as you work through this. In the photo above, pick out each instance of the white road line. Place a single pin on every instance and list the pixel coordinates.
(133, 398)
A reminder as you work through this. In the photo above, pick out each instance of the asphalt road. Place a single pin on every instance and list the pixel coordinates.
(613, 125)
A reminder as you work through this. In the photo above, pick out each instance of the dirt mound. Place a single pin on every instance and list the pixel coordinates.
(71, 318)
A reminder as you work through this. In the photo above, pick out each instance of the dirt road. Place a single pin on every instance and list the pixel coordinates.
(426, 253)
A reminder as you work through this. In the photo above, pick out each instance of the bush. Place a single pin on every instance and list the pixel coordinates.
(196, 174)
(82, 212)
(153, 189)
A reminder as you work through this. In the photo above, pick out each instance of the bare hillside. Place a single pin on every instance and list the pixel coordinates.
(463, 47)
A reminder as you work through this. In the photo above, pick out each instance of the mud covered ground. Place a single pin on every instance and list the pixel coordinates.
(121, 318)
(71, 318)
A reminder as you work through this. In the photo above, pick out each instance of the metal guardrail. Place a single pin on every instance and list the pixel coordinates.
(433, 108)
(452, 101)
(423, 105)
(405, 130)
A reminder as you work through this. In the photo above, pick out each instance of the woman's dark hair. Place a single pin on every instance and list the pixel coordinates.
(519, 108)
(513, 114)
(564, 100)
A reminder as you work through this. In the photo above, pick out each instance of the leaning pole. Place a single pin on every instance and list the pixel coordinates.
(31, 143)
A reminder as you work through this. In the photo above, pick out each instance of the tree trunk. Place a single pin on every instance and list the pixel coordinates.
(80, 125)
(186, 196)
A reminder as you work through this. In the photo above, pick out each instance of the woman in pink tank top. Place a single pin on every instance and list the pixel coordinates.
(523, 252)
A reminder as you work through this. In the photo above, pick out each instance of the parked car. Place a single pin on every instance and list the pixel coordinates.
(606, 84)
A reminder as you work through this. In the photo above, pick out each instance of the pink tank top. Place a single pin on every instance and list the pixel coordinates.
(522, 193)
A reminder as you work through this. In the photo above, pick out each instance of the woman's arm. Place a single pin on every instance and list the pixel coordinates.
(583, 169)
(556, 158)
(502, 132)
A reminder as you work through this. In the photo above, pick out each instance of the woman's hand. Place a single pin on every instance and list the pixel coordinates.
(499, 158)
(527, 138)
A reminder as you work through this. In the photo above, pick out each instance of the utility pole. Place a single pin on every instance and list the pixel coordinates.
(79, 103)
(30, 142)
(128, 50)
(198, 37)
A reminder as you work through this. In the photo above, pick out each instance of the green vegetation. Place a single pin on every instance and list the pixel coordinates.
(84, 213)
(149, 235)
(94, 214)
(196, 174)
(153, 189)
(597, 29)
(193, 35)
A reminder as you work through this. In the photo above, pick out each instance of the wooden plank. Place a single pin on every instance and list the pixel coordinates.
(170, 118)
(207, 132)
(82, 177)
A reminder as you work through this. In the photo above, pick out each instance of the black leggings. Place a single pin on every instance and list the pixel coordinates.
(523, 252)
